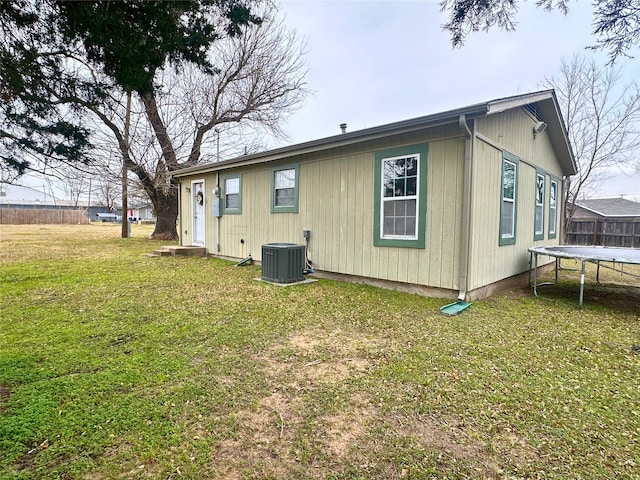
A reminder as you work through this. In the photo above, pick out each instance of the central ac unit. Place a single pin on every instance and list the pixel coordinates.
(283, 262)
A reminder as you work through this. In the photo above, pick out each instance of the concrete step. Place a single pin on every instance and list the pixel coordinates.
(179, 251)
(189, 251)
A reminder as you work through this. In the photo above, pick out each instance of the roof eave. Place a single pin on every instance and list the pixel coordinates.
(341, 140)
(557, 132)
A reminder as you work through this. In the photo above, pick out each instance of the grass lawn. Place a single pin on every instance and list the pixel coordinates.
(117, 365)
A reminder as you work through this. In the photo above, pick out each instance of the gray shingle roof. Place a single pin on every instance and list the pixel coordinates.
(611, 207)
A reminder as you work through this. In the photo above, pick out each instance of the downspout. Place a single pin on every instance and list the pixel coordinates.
(466, 208)
(566, 184)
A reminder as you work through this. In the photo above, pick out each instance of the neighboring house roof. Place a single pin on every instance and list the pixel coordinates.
(611, 207)
(19, 195)
(545, 101)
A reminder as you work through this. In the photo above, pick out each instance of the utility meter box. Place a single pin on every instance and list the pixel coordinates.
(283, 262)
(216, 207)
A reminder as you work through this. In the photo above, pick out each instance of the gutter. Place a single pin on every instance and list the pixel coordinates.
(466, 208)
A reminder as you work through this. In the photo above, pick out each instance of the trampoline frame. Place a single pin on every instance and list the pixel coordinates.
(592, 254)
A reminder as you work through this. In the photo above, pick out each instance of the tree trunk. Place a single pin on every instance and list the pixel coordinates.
(166, 205)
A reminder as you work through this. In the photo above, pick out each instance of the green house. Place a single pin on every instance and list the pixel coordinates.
(445, 204)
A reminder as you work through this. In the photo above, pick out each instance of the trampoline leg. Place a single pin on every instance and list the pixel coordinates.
(581, 285)
(535, 274)
(598, 272)
(557, 266)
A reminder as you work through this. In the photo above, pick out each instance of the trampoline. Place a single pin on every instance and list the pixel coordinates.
(584, 254)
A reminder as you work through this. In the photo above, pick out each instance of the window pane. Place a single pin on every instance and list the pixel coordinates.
(399, 218)
(412, 167)
(399, 226)
(539, 189)
(508, 180)
(389, 209)
(285, 197)
(232, 200)
(412, 186)
(399, 187)
(285, 178)
(387, 228)
(506, 223)
(388, 188)
(553, 207)
(399, 181)
(411, 226)
(539, 219)
(411, 208)
(232, 185)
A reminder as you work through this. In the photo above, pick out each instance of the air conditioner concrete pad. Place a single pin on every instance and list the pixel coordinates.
(306, 280)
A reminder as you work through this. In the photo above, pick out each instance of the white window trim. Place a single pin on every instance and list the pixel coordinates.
(415, 197)
(512, 235)
(553, 208)
(539, 205)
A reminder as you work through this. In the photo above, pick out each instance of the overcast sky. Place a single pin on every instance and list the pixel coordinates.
(376, 62)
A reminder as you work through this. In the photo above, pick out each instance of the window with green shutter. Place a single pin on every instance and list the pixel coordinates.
(553, 207)
(538, 227)
(509, 199)
(400, 197)
(284, 189)
(232, 194)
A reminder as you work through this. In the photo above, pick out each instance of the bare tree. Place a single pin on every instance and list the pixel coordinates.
(74, 185)
(602, 119)
(108, 193)
(261, 80)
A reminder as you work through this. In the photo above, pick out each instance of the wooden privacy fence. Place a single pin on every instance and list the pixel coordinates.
(30, 216)
(606, 232)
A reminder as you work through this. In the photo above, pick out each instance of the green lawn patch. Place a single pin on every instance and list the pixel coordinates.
(114, 364)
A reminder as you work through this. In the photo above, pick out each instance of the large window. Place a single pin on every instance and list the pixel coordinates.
(509, 195)
(400, 197)
(538, 228)
(232, 193)
(284, 189)
(553, 207)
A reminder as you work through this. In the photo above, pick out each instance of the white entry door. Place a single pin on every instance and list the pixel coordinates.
(197, 198)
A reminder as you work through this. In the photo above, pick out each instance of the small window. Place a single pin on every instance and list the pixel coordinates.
(400, 197)
(553, 207)
(508, 206)
(284, 189)
(232, 193)
(539, 209)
